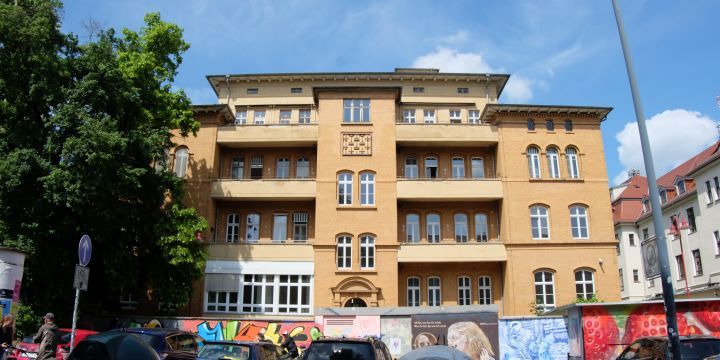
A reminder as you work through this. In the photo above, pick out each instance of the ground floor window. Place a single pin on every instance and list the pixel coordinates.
(258, 293)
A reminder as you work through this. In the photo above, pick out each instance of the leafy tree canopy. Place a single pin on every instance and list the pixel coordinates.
(84, 129)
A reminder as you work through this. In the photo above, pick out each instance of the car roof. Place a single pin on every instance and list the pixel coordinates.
(236, 342)
(156, 331)
(345, 339)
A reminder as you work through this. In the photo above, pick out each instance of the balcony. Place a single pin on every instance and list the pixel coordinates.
(452, 252)
(290, 251)
(449, 189)
(268, 134)
(264, 189)
(445, 134)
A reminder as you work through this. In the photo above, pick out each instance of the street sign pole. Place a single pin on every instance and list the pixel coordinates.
(81, 280)
(74, 323)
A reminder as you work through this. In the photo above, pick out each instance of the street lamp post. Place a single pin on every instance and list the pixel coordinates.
(665, 277)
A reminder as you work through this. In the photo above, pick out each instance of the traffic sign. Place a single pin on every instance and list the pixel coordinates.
(82, 276)
(85, 250)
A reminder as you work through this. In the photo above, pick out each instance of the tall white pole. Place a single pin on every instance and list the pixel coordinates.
(74, 323)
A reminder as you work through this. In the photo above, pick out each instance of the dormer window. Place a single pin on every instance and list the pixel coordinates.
(646, 205)
(680, 186)
(663, 196)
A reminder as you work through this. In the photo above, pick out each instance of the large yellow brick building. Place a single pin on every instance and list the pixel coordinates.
(405, 188)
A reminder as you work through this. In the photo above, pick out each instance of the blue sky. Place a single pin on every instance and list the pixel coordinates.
(559, 52)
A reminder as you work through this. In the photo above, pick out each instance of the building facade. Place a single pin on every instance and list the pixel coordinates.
(405, 188)
(690, 199)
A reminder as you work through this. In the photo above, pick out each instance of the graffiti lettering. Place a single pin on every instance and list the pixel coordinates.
(303, 332)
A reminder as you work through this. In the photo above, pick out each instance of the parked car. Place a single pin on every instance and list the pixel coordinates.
(27, 350)
(170, 344)
(244, 350)
(691, 348)
(113, 345)
(347, 349)
(436, 352)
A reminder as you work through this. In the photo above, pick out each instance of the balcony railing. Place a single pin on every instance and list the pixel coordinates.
(268, 121)
(451, 251)
(449, 189)
(264, 189)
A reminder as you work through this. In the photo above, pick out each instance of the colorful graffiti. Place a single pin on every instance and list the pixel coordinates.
(533, 338)
(396, 334)
(303, 332)
(476, 334)
(350, 326)
(608, 329)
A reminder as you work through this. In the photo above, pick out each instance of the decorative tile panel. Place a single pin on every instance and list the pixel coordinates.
(357, 144)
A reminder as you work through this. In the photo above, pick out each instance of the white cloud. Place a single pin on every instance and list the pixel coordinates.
(675, 136)
(518, 89)
(457, 38)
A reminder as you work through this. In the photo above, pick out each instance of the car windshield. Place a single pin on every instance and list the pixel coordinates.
(699, 348)
(232, 351)
(339, 351)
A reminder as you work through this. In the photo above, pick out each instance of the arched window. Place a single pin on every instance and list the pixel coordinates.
(585, 284)
(282, 168)
(411, 168)
(345, 185)
(431, 167)
(485, 290)
(434, 294)
(544, 290)
(458, 168)
(579, 222)
(533, 155)
(539, 222)
(549, 125)
(464, 291)
(412, 227)
(181, 161)
(233, 228)
(367, 188)
(568, 125)
(413, 291)
(531, 124)
(481, 228)
(302, 168)
(433, 228)
(461, 228)
(367, 252)
(553, 163)
(344, 252)
(478, 169)
(572, 163)
(252, 228)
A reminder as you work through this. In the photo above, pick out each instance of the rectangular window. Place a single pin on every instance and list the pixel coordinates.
(716, 238)
(282, 168)
(296, 90)
(412, 225)
(484, 290)
(709, 193)
(429, 116)
(300, 227)
(128, 301)
(252, 91)
(293, 294)
(356, 110)
(233, 228)
(221, 291)
(474, 116)
(458, 168)
(622, 282)
(716, 180)
(304, 116)
(698, 262)
(409, 116)
(252, 228)
(481, 228)
(463, 90)
(256, 167)
(680, 267)
(274, 293)
(279, 228)
(434, 291)
(367, 189)
(478, 169)
(455, 117)
(646, 234)
(433, 228)
(240, 117)
(464, 291)
(631, 238)
(345, 189)
(285, 116)
(413, 291)
(258, 292)
(237, 170)
(418, 89)
(259, 118)
(344, 252)
(636, 276)
(302, 168)
(651, 283)
(691, 219)
(367, 252)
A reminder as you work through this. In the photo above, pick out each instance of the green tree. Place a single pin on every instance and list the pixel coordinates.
(83, 133)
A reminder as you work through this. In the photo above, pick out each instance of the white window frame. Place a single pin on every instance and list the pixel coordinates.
(455, 116)
(282, 168)
(680, 268)
(302, 168)
(411, 170)
(182, 158)
(301, 284)
(709, 194)
(680, 185)
(345, 188)
(540, 220)
(285, 117)
(464, 290)
(533, 154)
(697, 267)
(579, 225)
(433, 229)
(542, 299)
(300, 226)
(237, 168)
(128, 301)
(412, 228)
(259, 117)
(482, 234)
(232, 234)
(280, 223)
(264, 292)
(409, 116)
(434, 291)
(240, 117)
(218, 296)
(305, 116)
(250, 235)
(356, 110)
(429, 116)
(477, 166)
(584, 282)
(636, 276)
(427, 167)
(343, 257)
(474, 117)
(485, 290)
(553, 159)
(413, 291)
(461, 227)
(367, 252)
(367, 189)
(458, 167)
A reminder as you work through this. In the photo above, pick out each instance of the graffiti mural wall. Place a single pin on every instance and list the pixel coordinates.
(533, 338)
(396, 334)
(350, 326)
(303, 332)
(608, 329)
(476, 334)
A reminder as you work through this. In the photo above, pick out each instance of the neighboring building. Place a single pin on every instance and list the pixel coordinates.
(689, 195)
(407, 188)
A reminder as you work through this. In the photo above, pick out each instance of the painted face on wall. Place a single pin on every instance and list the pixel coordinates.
(458, 341)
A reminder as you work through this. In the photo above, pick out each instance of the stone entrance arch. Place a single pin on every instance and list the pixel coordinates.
(355, 287)
(355, 302)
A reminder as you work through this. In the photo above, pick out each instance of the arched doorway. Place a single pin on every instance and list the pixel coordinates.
(355, 302)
